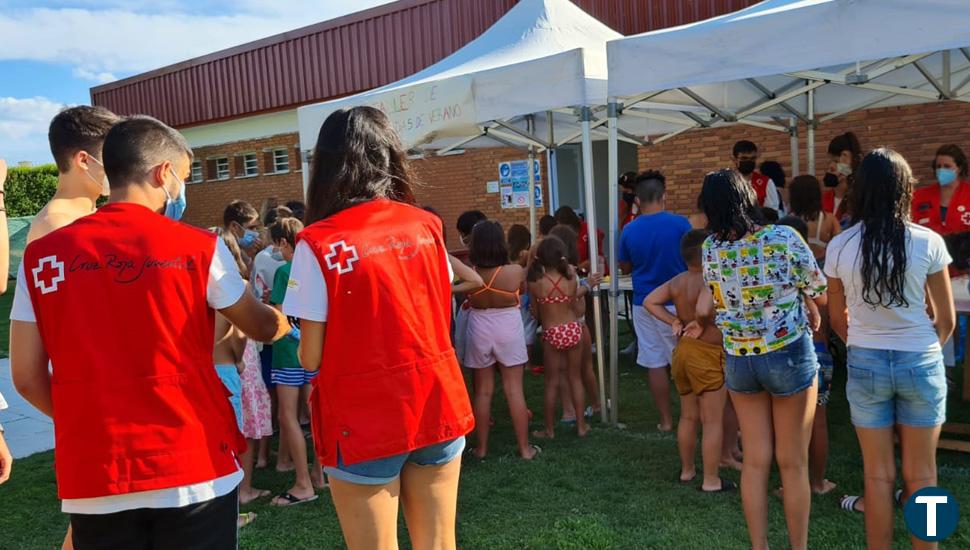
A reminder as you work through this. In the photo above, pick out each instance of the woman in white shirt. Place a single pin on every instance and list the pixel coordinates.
(879, 271)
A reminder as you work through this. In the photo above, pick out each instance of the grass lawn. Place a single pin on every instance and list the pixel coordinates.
(615, 490)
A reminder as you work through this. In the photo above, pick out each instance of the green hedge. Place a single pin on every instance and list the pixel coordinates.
(28, 189)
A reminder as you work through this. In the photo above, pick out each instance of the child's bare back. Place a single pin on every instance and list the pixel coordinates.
(684, 291)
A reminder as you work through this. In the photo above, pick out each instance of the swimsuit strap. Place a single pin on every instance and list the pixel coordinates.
(555, 287)
(488, 286)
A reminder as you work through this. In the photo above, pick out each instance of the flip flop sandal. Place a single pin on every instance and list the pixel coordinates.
(686, 481)
(568, 421)
(291, 500)
(538, 451)
(848, 503)
(245, 519)
(727, 486)
(898, 497)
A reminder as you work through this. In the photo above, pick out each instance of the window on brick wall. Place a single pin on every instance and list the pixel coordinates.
(222, 168)
(196, 175)
(281, 160)
(251, 164)
(247, 165)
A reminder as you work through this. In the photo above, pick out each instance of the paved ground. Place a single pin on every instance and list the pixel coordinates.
(27, 430)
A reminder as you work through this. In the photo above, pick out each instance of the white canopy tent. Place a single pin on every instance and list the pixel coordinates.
(764, 61)
(542, 65)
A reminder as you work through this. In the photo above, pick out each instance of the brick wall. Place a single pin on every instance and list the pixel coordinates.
(454, 184)
(457, 183)
(915, 131)
(207, 200)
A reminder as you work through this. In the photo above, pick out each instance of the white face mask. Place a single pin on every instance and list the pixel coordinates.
(105, 188)
(844, 169)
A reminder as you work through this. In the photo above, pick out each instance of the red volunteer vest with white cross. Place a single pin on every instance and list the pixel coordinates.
(759, 182)
(389, 382)
(120, 302)
(927, 211)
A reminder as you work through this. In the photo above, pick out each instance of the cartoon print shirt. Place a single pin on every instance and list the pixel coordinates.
(757, 283)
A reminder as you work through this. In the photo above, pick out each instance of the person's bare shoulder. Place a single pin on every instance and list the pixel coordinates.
(48, 221)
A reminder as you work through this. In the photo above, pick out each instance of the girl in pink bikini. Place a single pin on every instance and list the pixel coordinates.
(554, 287)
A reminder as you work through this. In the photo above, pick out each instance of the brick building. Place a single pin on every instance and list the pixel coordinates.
(237, 108)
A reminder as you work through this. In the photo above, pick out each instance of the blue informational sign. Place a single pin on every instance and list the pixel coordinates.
(931, 514)
(516, 174)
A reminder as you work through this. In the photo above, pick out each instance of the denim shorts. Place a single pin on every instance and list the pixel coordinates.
(783, 372)
(825, 373)
(888, 387)
(386, 470)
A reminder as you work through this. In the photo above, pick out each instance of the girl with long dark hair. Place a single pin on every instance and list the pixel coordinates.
(758, 276)
(883, 271)
(370, 284)
(496, 337)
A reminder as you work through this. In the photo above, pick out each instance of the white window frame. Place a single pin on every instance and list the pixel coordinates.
(222, 173)
(277, 153)
(195, 176)
(250, 165)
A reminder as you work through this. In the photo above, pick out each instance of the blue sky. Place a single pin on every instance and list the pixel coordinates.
(52, 52)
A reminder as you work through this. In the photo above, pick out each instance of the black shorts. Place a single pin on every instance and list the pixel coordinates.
(209, 525)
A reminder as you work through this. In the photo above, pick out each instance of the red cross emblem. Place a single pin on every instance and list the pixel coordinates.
(48, 274)
(341, 257)
(965, 218)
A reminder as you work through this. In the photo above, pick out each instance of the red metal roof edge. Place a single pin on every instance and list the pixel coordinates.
(355, 17)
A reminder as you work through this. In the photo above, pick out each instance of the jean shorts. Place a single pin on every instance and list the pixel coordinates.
(386, 470)
(783, 372)
(825, 372)
(888, 387)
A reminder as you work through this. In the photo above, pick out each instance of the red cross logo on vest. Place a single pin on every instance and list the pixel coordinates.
(341, 257)
(48, 274)
(965, 218)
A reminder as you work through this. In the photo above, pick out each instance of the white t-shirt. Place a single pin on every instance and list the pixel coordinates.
(306, 292)
(878, 327)
(264, 269)
(772, 196)
(225, 288)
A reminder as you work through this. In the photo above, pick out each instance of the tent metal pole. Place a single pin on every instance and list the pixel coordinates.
(810, 138)
(614, 177)
(551, 176)
(530, 124)
(793, 133)
(586, 116)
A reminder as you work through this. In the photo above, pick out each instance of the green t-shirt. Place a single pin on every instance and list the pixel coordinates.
(285, 354)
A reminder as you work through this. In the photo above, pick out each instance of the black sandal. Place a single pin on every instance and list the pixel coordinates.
(727, 486)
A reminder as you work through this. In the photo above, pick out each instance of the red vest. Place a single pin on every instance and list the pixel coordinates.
(120, 301)
(927, 209)
(389, 382)
(759, 182)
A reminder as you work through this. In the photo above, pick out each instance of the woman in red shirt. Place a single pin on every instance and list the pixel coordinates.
(944, 206)
(370, 284)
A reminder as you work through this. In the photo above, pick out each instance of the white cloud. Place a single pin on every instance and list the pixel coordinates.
(23, 128)
(98, 78)
(98, 43)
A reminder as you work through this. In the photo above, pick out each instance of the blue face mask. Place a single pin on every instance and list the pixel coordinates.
(945, 176)
(277, 255)
(249, 238)
(174, 208)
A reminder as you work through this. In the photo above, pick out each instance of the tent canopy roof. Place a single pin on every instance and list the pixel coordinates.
(542, 55)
